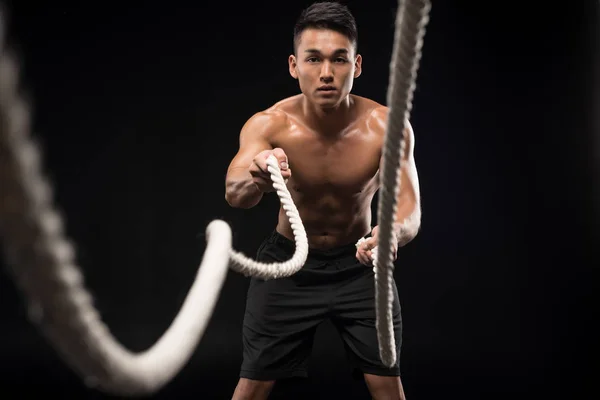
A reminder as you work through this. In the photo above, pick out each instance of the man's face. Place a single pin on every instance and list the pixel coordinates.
(325, 66)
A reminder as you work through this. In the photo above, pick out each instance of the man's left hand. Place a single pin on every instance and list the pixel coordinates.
(364, 252)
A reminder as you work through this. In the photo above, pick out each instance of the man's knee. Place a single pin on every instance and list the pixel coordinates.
(385, 387)
(249, 389)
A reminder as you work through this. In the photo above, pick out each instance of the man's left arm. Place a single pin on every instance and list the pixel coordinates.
(408, 205)
(408, 212)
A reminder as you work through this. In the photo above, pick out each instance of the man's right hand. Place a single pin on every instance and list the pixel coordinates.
(260, 174)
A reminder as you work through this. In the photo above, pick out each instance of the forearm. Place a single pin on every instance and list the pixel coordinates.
(407, 217)
(407, 220)
(240, 190)
(407, 229)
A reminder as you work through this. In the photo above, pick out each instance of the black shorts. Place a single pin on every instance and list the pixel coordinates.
(282, 314)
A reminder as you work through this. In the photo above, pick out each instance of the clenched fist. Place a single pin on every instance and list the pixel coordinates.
(365, 250)
(260, 174)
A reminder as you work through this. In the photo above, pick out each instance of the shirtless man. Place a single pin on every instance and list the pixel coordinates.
(329, 145)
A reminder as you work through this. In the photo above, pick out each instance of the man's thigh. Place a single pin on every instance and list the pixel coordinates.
(281, 318)
(355, 319)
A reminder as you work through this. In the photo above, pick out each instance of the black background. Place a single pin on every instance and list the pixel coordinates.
(139, 107)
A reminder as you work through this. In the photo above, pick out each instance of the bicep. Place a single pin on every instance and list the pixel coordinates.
(247, 151)
(254, 138)
(409, 172)
(409, 177)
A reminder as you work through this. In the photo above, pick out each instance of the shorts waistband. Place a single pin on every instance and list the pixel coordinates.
(339, 251)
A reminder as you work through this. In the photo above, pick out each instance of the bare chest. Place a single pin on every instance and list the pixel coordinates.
(344, 165)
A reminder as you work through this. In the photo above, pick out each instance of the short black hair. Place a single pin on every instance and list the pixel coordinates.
(327, 15)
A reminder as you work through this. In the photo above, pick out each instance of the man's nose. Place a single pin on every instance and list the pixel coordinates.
(326, 73)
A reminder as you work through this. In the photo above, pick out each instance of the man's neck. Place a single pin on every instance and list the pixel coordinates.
(329, 121)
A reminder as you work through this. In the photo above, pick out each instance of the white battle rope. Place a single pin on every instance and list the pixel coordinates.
(42, 262)
(250, 267)
(411, 19)
(41, 259)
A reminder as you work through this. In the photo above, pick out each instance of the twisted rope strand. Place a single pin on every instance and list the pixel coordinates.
(411, 18)
(41, 261)
(249, 267)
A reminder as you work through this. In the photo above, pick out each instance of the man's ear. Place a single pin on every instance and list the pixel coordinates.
(358, 66)
(292, 63)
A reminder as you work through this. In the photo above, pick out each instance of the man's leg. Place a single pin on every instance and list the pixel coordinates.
(354, 317)
(277, 336)
(385, 387)
(279, 325)
(249, 389)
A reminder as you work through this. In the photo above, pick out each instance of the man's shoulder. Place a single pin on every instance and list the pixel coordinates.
(380, 112)
(371, 108)
(377, 114)
(278, 112)
(271, 119)
(287, 104)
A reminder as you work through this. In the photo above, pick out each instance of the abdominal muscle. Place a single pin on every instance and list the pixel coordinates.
(330, 220)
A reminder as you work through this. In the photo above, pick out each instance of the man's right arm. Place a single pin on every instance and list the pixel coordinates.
(240, 189)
